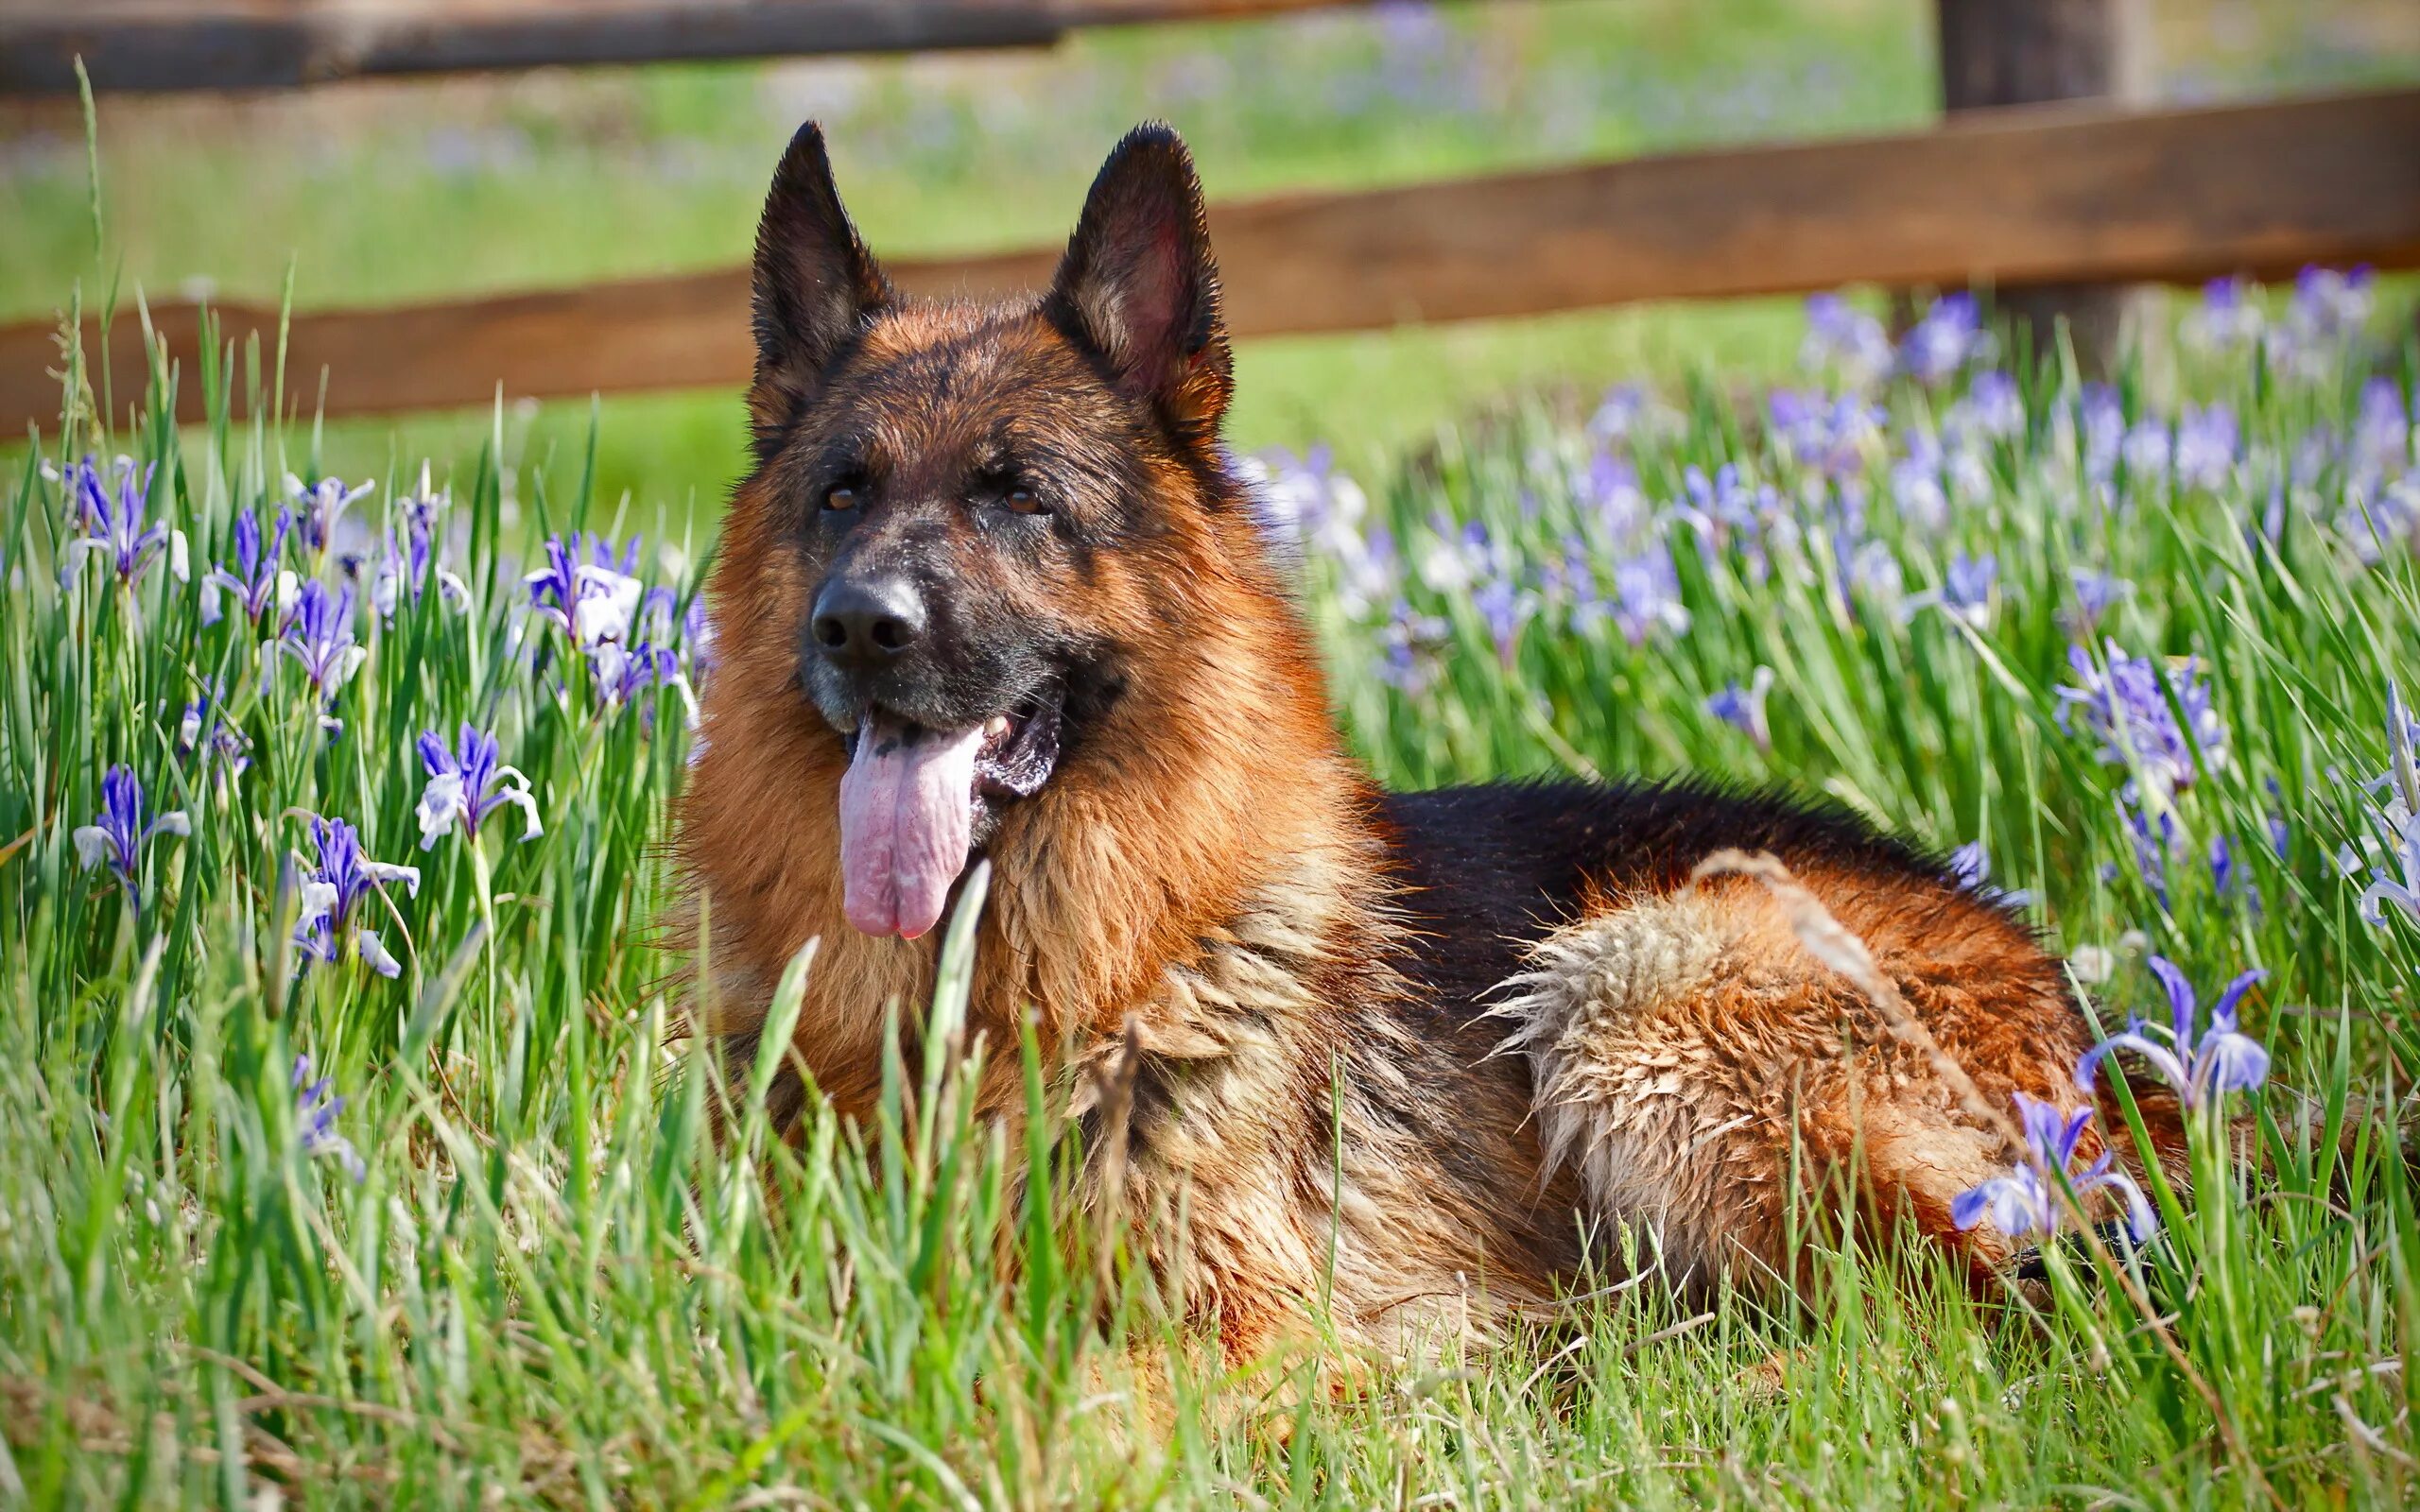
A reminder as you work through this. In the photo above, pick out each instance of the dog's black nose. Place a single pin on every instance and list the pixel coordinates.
(866, 621)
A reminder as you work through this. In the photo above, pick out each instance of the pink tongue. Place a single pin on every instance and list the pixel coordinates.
(907, 818)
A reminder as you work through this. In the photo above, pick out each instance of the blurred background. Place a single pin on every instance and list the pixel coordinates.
(384, 191)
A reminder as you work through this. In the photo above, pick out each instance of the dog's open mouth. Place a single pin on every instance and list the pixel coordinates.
(912, 797)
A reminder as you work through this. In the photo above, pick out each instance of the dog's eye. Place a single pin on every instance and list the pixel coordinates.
(840, 496)
(1022, 501)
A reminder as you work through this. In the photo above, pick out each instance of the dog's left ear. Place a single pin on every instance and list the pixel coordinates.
(815, 285)
(1139, 285)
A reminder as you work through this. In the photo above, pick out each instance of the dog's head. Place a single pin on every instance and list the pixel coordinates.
(969, 528)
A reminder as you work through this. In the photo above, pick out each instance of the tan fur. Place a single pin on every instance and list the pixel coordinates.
(1706, 1076)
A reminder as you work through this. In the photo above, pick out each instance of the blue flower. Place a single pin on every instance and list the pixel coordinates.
(1744, 708)
(2227, 316)
(2103, 416)
(1947, 338)
(315, 1120)
(1832, 438)
(2127, 708)
(114, 523)
(1411, 642)
(2330, 304)
(257, 579)
(2205, 447)
(409, 557)
(2026, 1201)
(1844, 339)
(1504, 609)
(319, 634)
(1970, 866)
(2220, 1060)
(468, 783)
(1966, 591)
(1647, 595)
(1620, 413)
(325, 929)
(2155, 840)
(2397, 820)
(118, 833)
(319, 505)
(1994, 408)
(205, 730)
(586, 589)
(622, 673)
(2096, 593)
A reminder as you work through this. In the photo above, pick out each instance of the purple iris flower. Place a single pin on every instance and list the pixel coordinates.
(319, 634)
(319, 505)
(2096, 593)
(1610, 494)
(2127, 707)
(113, 518)
(315, 1121)
(1647, 595)
(1831, 436)
(468, 783)
(1744, 708)
(1966, 591)
(1413, 642)
(586, 589)
(2383, 432)
(2331, 304)
(118, 833)
(1844, 339)
(2102, 415)
(2206, 447)
(2026, 1199)
(622, 673)
(2227, 316)
(257, 576)
(1620, 412)
(2155, 840)
(1947, 339)
(332, 886)
(2396, 886)
(2221, 1058)
(1994, 407)
(205, 730)
(1916, 485)
(1970, 866)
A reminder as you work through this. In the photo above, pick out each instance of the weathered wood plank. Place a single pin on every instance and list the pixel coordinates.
(2027, 52)
(242, 44)
(2012, 199)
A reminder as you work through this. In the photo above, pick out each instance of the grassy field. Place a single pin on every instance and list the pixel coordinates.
(340, 1183)
(326, 1183)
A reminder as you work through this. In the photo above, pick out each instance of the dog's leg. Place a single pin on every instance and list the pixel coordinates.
(1704, 1073)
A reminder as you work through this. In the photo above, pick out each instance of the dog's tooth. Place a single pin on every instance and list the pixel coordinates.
(997, 725)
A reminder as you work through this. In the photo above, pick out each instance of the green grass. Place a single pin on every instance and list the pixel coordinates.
(549, 1287)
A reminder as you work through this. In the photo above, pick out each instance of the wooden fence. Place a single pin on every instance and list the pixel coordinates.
(2016, 197)
(165, 45)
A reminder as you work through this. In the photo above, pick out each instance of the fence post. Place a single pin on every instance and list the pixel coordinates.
(2023, 52)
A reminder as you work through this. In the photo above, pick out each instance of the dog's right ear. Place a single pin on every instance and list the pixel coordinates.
(815, 286)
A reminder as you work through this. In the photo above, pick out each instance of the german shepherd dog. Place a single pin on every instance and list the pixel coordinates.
(993, 588)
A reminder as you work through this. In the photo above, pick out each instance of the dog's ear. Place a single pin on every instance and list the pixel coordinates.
(1139, 285)
(816, 285)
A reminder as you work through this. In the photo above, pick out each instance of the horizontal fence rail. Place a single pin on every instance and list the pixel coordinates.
(2027, 196)
(161, 45)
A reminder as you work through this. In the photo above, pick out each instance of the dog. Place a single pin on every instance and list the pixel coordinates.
(992, 588)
